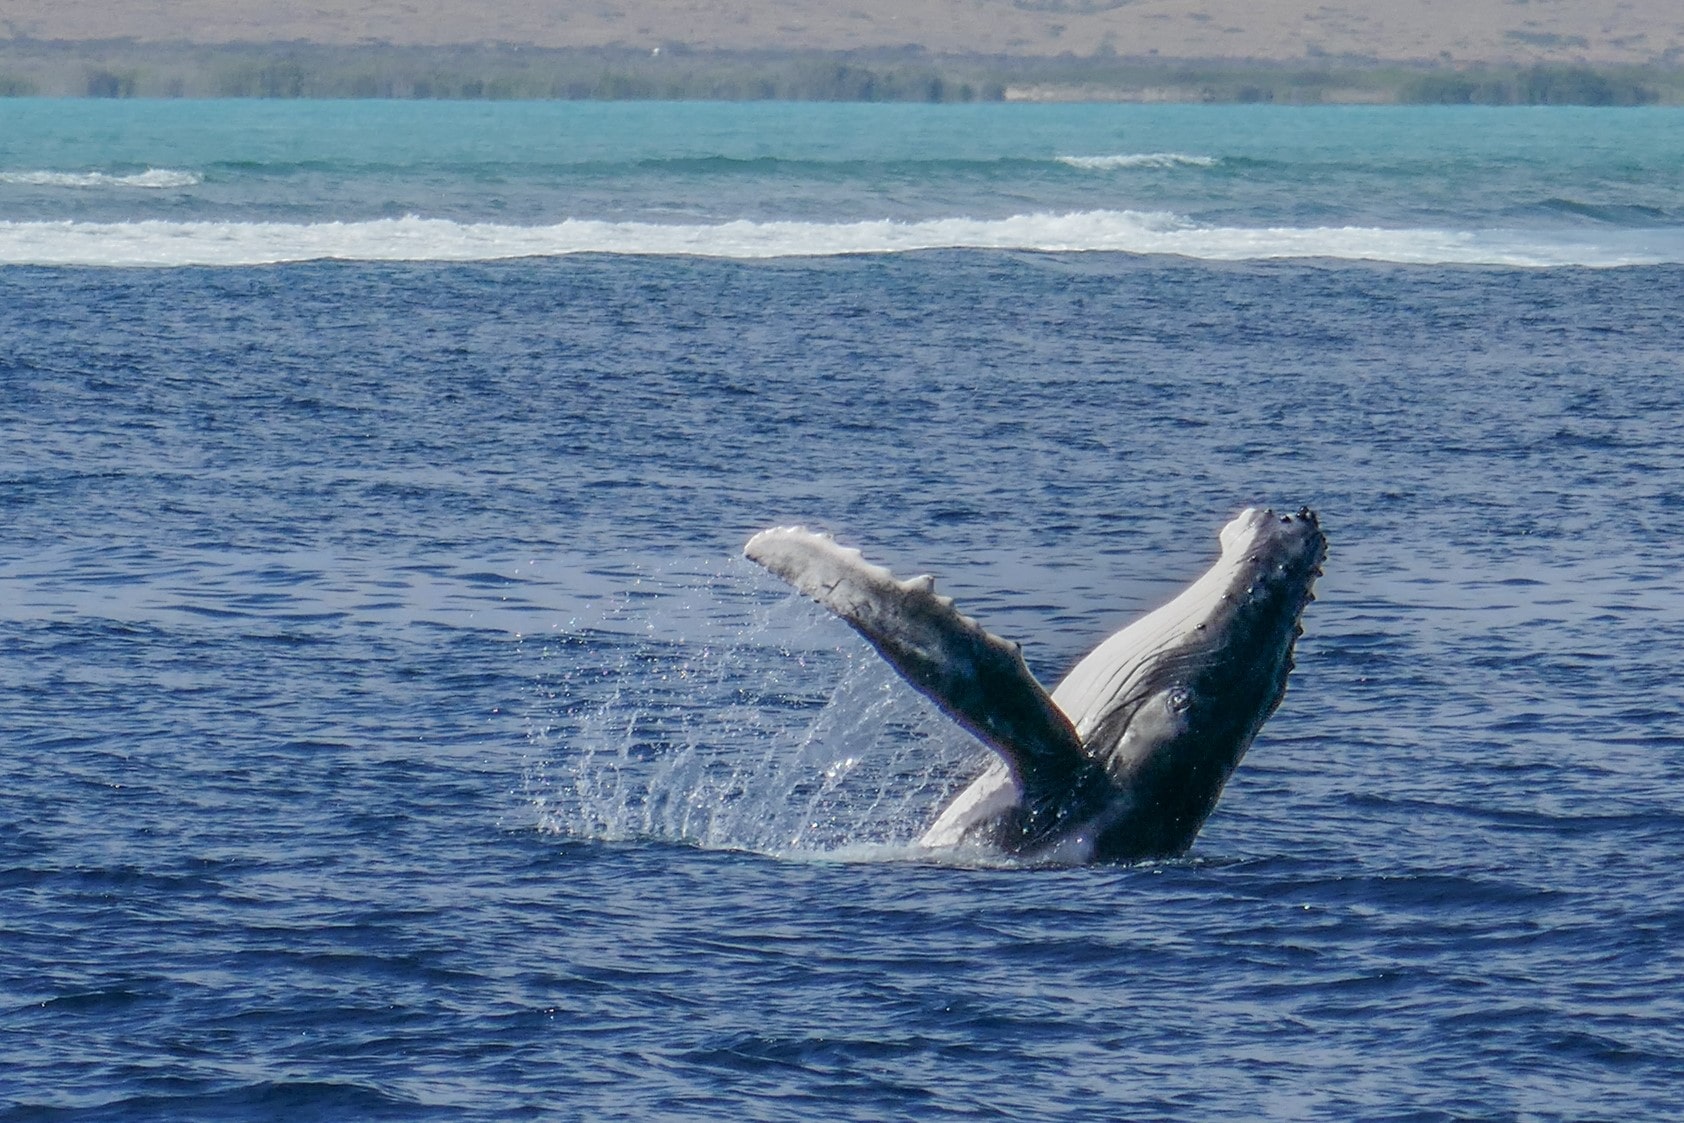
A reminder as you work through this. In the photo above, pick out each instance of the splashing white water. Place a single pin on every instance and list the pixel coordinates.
(782, 734)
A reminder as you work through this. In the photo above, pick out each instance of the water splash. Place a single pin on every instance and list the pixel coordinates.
(767, 727)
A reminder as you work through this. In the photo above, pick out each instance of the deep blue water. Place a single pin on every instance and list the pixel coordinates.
(389, 727)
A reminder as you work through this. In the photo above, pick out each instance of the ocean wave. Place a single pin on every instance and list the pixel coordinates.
(1138, 160)
(153, 178)
(1615, 214)
(159, 243)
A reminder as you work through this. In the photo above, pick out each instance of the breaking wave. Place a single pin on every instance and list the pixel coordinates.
(1138, 160)
(160, 243)
(152, 178)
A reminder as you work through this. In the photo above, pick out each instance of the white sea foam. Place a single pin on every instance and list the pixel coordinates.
(153, 178)
(1138, 160)
(158, 243)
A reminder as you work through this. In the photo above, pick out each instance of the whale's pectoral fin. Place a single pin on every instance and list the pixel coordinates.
(978, 679)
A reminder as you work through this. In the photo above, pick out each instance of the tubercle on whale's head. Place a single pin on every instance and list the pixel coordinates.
(1294, 541)
(1241, 653)
(1270, 562)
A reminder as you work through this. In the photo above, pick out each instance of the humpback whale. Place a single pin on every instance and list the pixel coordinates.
(1125, 759)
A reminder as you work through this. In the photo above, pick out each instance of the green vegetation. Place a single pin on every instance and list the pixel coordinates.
(1539, 85)
(639, 77)
(124, 69)
(302, 70)
(1342, 81)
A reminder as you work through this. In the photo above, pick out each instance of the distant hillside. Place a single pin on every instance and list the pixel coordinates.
(125, 69)
(1595, 52)
(1455, 32)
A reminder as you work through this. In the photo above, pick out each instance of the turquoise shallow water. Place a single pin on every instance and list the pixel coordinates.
(390, 728)
(477, 181)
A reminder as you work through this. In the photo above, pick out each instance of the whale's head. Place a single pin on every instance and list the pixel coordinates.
(1169, 705)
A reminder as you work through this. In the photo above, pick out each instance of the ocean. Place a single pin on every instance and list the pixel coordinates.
(390, 726)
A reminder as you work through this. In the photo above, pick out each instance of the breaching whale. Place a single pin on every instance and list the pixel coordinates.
(1125, 759)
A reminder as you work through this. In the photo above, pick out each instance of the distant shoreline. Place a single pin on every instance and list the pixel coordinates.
(129, 69)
